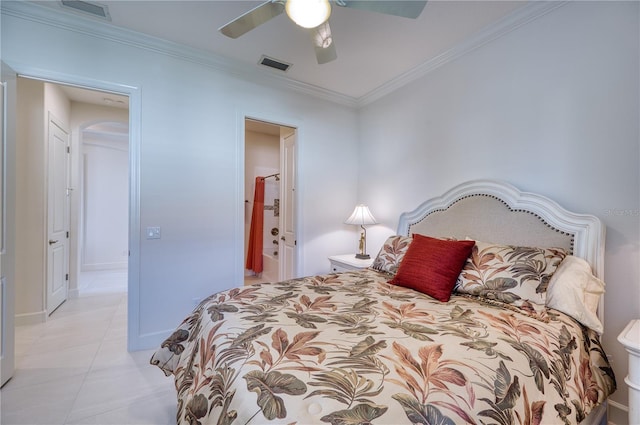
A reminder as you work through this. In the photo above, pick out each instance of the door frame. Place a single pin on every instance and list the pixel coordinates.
(7, 221)
(288, 242)
(279, 120)
(135, 117)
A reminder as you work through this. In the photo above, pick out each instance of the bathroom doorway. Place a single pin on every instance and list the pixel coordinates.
(269, 194)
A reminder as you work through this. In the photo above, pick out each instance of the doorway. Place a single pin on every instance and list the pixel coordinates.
(102, 226)
(269, 212)
(100, 194)
(94, 189)
(35, 312)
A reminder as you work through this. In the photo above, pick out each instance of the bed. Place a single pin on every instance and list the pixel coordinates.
(484, 308)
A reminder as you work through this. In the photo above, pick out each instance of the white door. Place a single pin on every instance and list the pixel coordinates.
(8, 98)
(57, 216)
(287, 207)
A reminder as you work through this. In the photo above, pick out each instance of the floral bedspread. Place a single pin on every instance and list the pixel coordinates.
(349, 348)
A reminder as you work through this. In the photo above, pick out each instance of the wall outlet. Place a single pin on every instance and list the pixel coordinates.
(153, 233)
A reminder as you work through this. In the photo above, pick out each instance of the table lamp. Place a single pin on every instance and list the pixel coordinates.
(361, 216)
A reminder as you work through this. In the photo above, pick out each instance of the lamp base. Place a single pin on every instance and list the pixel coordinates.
(363, 256)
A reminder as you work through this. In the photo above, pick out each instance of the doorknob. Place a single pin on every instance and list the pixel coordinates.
(51, 241)
(282, 238)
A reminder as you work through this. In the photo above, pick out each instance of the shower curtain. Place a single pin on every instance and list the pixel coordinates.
(254, 253)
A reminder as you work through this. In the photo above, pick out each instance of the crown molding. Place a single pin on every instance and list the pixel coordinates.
(99, 29)
(511, 22)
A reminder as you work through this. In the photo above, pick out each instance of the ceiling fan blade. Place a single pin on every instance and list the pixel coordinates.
(407, 9)
(253, 18)
(323, 43)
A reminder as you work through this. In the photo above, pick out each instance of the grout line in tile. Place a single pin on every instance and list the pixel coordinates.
(113, 308)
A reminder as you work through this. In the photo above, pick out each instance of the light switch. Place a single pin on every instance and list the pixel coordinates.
(153, 232)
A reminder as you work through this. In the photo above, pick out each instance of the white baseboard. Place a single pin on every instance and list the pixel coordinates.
(103, 266)
(148, 341)
(30, 318)
(618, 413)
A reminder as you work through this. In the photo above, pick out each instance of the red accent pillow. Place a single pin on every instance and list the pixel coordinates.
(432, 265)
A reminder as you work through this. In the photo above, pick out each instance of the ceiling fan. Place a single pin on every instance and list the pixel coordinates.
(314, 15)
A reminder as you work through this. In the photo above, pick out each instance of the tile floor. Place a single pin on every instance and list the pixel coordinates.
(103, 281)
(248, 280)
(75, 368)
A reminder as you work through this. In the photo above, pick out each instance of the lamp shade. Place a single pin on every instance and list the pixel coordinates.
(361, 215)
(308, 13)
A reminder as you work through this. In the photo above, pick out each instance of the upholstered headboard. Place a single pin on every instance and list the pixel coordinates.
(494, 211)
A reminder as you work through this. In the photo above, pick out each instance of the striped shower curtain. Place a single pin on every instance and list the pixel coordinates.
(254, 253)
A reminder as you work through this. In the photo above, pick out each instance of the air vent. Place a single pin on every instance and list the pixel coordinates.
(274, 63)
(95, 9)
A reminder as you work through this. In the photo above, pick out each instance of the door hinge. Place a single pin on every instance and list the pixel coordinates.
(68, 149)
(295, 243)
(66, 276)
(67, 235)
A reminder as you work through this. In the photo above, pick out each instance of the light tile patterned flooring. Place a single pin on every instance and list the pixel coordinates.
(248, 280)
(75, 368)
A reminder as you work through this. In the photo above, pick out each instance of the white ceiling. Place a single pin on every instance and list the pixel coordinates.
(262, 127)
(373, 49)
(96, 97)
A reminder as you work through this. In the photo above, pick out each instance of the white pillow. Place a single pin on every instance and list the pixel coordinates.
(574, 290)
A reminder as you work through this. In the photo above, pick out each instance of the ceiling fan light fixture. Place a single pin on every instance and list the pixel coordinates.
(322, 36)
(308, 13)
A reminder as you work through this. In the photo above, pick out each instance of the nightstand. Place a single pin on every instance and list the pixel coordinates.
(630, 338)
(347, 262)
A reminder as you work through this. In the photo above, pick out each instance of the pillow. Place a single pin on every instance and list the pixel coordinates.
(574, 290)
(432, 265)
(391, 254)
(510, 274)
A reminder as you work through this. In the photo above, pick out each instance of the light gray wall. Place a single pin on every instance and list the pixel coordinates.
(551, 108)
(191, 163)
